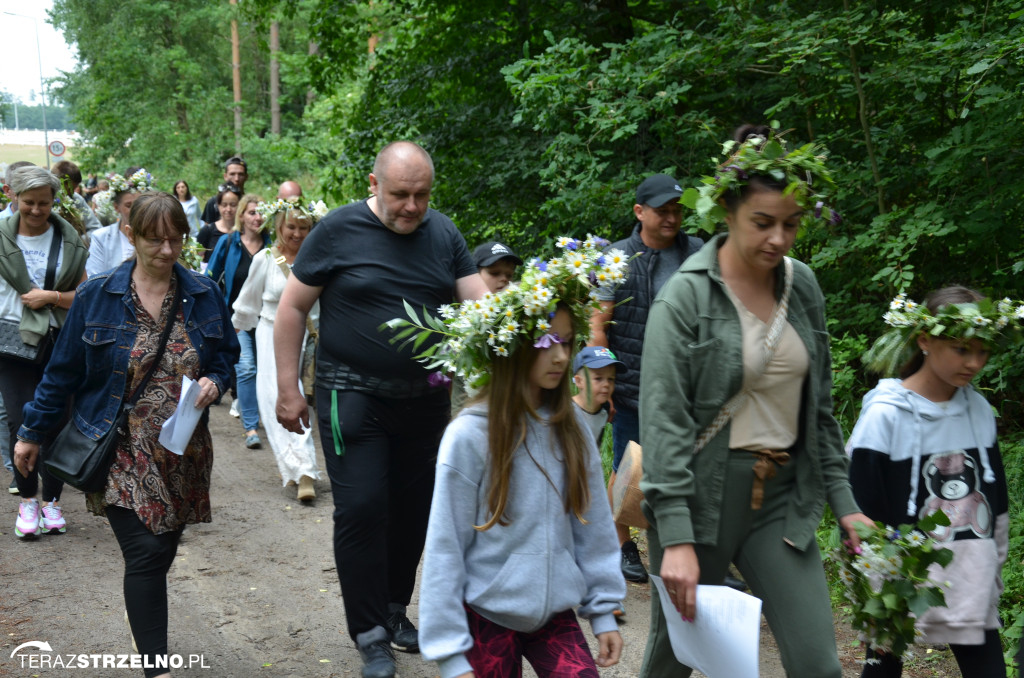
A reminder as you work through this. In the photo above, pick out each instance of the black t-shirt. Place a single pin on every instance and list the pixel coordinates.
(366, 270)
(208, 236)
(211, 212)
(241, 273)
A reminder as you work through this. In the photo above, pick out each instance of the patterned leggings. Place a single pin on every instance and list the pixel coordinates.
(559, 650)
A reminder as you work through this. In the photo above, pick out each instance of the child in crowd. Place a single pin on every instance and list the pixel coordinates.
(594, 370)
(927, 442)
(520, 540)
(496, 263)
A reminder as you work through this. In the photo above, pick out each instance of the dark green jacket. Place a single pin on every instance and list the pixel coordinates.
(35, 322)
(692, 364)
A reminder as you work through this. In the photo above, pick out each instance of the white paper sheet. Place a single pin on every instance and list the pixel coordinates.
(178, 429)
(724, 640)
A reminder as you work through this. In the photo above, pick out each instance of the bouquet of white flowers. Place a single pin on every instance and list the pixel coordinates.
(887, 583)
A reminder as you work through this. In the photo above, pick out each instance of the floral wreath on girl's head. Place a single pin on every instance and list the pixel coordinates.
(476, 332)
(994, 323)
(139, 182)
(314, 211)
(803, 171)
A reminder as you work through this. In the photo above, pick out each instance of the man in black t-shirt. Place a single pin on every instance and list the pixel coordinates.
(380, 418)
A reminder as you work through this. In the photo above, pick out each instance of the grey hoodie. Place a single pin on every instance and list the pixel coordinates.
(911, 457)
(543, 562)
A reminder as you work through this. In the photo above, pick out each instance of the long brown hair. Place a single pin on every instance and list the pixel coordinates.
(508, 405)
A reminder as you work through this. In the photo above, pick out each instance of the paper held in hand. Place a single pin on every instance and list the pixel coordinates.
(724, 639)
(178, 429)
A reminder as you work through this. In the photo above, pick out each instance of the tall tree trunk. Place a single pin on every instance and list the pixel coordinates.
(310, 93)
(236, 72)
(862, 110)
(275, 78)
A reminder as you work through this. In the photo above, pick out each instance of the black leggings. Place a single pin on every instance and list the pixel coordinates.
(18, 381)
(147, 558)
(975, 661)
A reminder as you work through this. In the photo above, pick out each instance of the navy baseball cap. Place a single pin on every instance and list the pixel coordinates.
(493, 251)
(595, 357)
(658, 189)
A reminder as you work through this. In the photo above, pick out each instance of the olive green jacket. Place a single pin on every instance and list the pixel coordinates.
(692, 364)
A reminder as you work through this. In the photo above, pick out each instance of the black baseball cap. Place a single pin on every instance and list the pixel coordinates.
(658, 189)
(492, 251)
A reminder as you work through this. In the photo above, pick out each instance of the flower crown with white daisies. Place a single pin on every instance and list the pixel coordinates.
(314, 211)
(803, 171)
(994, 323)
(139, 182)
(476, 332)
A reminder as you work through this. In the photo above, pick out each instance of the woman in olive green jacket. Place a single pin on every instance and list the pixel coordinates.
(755, 491)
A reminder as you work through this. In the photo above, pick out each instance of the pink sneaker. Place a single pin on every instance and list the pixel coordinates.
(53, 519)
(27, 524)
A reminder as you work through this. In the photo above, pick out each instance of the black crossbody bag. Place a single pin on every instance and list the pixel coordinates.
(84, 463)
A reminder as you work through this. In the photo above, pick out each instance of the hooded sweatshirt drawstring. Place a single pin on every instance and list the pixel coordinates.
(987, 474)
(915, 456)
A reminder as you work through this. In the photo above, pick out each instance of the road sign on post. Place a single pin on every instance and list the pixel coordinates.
(56, 148)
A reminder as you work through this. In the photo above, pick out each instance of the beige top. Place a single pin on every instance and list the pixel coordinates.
(768, 418)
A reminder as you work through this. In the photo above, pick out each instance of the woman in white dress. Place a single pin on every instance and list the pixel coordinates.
(256, 306)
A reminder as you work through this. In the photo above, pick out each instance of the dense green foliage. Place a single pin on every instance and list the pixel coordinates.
(153, 88)
(542, 117)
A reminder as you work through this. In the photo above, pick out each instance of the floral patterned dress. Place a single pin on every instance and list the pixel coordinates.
(165, 490)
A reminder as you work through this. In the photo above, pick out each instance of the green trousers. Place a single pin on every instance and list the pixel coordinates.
(790, 583)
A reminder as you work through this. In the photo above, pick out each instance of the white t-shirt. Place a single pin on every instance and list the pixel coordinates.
(36, 249)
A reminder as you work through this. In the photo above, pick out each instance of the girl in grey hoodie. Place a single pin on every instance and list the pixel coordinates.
(927, 442)
(519, 531)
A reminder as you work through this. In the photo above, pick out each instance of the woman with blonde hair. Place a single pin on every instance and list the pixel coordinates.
(255, 309)
(229, 266)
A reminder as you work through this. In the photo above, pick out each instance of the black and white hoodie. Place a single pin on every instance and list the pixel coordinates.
(911, 457)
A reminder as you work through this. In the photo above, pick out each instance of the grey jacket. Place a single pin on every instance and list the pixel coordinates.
(692, 364)
(543, 562)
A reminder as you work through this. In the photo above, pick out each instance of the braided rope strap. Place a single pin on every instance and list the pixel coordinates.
(771, 342)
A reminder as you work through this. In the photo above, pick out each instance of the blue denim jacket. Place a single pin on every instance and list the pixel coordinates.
(90, 358)
(225, 258)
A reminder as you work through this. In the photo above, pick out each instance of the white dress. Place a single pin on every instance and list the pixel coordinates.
(256, 306)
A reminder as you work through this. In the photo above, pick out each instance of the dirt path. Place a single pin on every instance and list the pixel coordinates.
(254, 593)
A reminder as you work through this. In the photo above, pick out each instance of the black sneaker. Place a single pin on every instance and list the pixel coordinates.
(378, 660)
(632, 569)
(13, 487)
(404, 636)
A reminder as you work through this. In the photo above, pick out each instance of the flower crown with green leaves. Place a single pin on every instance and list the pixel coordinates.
(803, 171)
(993, 323)
(314, 211)
(476, 332)
(139, 182)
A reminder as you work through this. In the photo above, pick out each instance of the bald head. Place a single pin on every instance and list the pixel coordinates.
(288, 190)
(405, 154)
(400, 182)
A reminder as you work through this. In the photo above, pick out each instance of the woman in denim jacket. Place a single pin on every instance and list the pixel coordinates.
(110, 337)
